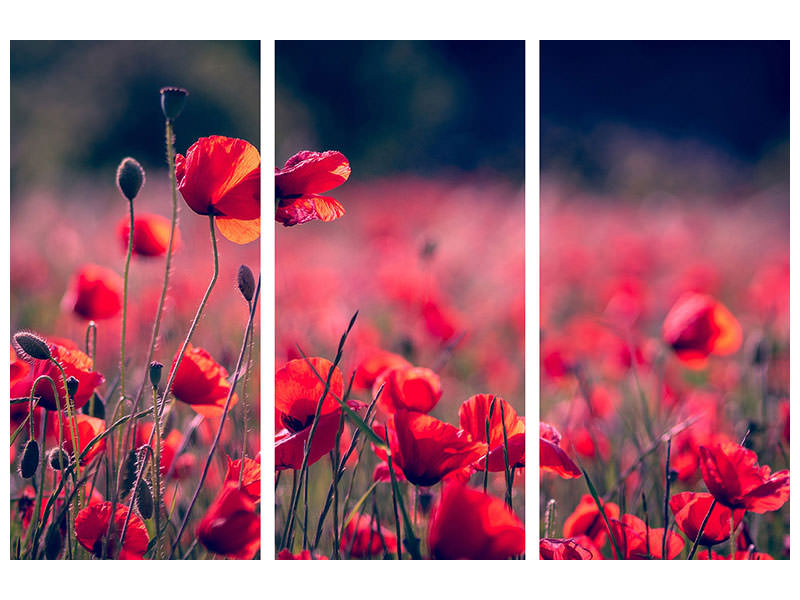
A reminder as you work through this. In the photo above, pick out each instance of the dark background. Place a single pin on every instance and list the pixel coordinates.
(419, 107)
(722, 102)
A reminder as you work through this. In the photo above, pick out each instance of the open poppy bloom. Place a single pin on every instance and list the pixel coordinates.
(231, 527)
(169, 447)
(469, 524)
(410, 388)
(75, 364)
(698, 326)
(427, 449)
(638, 542)
(91, 525)
(150, 234)
(251, 478)
(690, 509)
(297, 393)
(202, 383)
(580, 548)
(363, 538)
(587, 520)
(95, 293)
(88, 428)
(732, 475)
(374, 365)
(472, 417)
(221, 176)
(552, 458)
(299, 183)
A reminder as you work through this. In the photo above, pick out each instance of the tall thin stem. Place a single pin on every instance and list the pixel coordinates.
(125, 306)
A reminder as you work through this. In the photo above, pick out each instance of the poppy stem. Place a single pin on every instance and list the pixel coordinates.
(394, 500)
(125, 306)
(700, 532)
(157, 471)
(244, 402)
(509, 475)
(732, 540)
(667, 481)
(247, 332)
(148, 452)
(486, 465)
(549, 517)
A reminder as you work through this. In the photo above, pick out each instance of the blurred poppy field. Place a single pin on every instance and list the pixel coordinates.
(664, 308)
(399, 417)
(135, 401)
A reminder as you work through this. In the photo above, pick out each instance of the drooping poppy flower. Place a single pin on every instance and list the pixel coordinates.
(87, 429)
(469, 524)
(91, 525)
(201, 382)
(297, 393)
(698, 326)
(299, 183)
(472, 415)
(95, 293)
(150, 234)
(690, 509)
(221, 176)
(231, 526)
(731, 473)
(587, 520)
(552, 458)
(362, 538)
(75, 364)
(580, 548)
(373, 365)
(410, 388)
(251, 478)
(286, 554)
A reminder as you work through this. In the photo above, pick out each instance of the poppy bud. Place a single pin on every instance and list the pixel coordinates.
(144, 499)
(72, 386)
(30, 458)
(129, 475)
(58, 457)
(98, 411)
(52, 542)
(246, 282)
(32, 345)
(130, 177)
(173, 99)
(155, 373)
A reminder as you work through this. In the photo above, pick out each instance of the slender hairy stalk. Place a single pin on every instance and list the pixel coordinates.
(125, 306)
(244, 401)
(157, 470)
(509, 477)
(394, 502)
(667, 481)
(486, 465)
(148, 452)
(247, 332)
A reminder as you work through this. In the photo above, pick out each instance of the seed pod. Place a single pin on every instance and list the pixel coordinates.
(30, 459)
(58, 457)
(144, 499)
(99, 410)
(130, 177)
(52, 542)
(155, 373)
(129, 473)
(72, 386)
(173, 99)
(246, 282)
(32, 345)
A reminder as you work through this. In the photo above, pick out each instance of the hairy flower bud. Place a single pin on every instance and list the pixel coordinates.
(57, 458)
(30, 459)
(155, 373)
(246, 282)
(130, 177)
(32, 345)
(53, 541)
(144, 499)
(173, 99)
(72, 386)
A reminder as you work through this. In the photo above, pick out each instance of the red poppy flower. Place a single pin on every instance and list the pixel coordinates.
(427, 449)
(150, 234)
(552, 458)
(169, 447)
(631, 535)
(251, 478)
(472, 418)
(231, 527)
(202, 383)
(221, 176)
(297, 393)
(587, 520)
(690, 509)
(75, 364)
(362, 538)
(91, 525)
(88, 428)
(469, 524)
(303, 555)
(580, 548)
(731, 473)
(410, 388)
(698, 326)
(94, 294)
(373, 365)
(299, 183)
